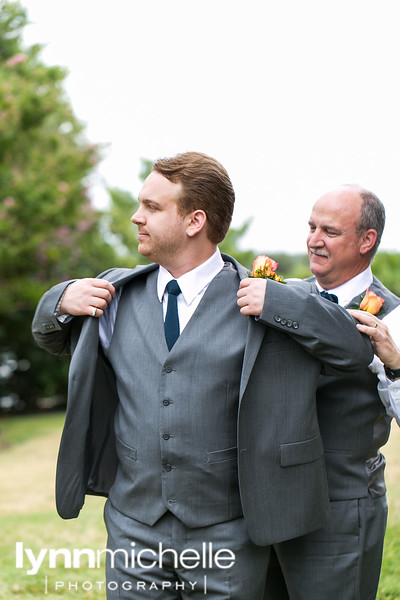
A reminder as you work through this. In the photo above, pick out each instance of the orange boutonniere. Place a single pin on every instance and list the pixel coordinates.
(371, 303)
(265, 268)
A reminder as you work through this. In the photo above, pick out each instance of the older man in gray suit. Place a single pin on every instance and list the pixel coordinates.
(205, 436)
(343, 559)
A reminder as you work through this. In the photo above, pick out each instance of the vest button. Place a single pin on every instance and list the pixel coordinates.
(168, 369)
(166, 402)
(168, 467)
(166, 436)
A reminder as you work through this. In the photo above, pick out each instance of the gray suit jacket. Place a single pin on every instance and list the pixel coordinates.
(280, 454)
(354, 424)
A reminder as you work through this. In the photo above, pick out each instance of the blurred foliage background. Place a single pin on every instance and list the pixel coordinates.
(50, 231)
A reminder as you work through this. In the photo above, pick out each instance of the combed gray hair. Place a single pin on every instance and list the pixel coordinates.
(372, 215)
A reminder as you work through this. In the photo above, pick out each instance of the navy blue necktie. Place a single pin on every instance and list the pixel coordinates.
(171, 323)
(331, 297)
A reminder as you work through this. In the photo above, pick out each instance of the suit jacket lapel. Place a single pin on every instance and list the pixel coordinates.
(255, 335)
(355, 302)
(119, 277)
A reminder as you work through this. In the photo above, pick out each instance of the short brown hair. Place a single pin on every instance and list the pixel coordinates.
(206, 186)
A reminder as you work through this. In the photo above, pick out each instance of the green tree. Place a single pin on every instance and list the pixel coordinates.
(386, 267)
(48, 228)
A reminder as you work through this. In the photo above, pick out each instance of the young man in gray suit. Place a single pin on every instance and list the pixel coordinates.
(343, 560)
(205, 437)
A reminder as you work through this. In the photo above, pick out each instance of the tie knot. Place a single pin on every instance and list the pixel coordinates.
(331, 297)
(173, 287)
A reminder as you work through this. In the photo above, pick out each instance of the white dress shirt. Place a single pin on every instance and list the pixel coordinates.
(389, 391)
(193, 285)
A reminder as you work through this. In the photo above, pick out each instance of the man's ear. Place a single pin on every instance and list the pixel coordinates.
(197, 221)
(368, 239)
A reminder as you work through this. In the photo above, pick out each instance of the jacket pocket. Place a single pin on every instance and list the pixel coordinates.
(125, 450)
(298, 453)
(221, 455)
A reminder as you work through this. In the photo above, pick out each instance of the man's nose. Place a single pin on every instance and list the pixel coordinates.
(315, 239)
(137, 217)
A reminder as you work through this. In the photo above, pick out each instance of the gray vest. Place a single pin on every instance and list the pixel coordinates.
(354, 425)
(175, 425)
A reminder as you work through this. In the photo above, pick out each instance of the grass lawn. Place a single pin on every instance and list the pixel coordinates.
(28, 451)
(389, 587)
(28, 515)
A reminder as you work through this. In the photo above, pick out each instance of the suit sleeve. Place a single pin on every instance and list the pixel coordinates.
(48, 332)
(323, 328)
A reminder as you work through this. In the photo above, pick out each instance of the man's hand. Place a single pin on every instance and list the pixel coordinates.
(382, 341)
(87, 297)
(251, 296)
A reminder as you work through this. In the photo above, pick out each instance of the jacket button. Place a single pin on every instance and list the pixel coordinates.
(283, 321)
(277, 319)
(289, 323)
(295, 325)
(168, 467)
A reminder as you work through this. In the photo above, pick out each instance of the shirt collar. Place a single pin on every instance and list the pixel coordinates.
(194, 281)
(351, 288)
